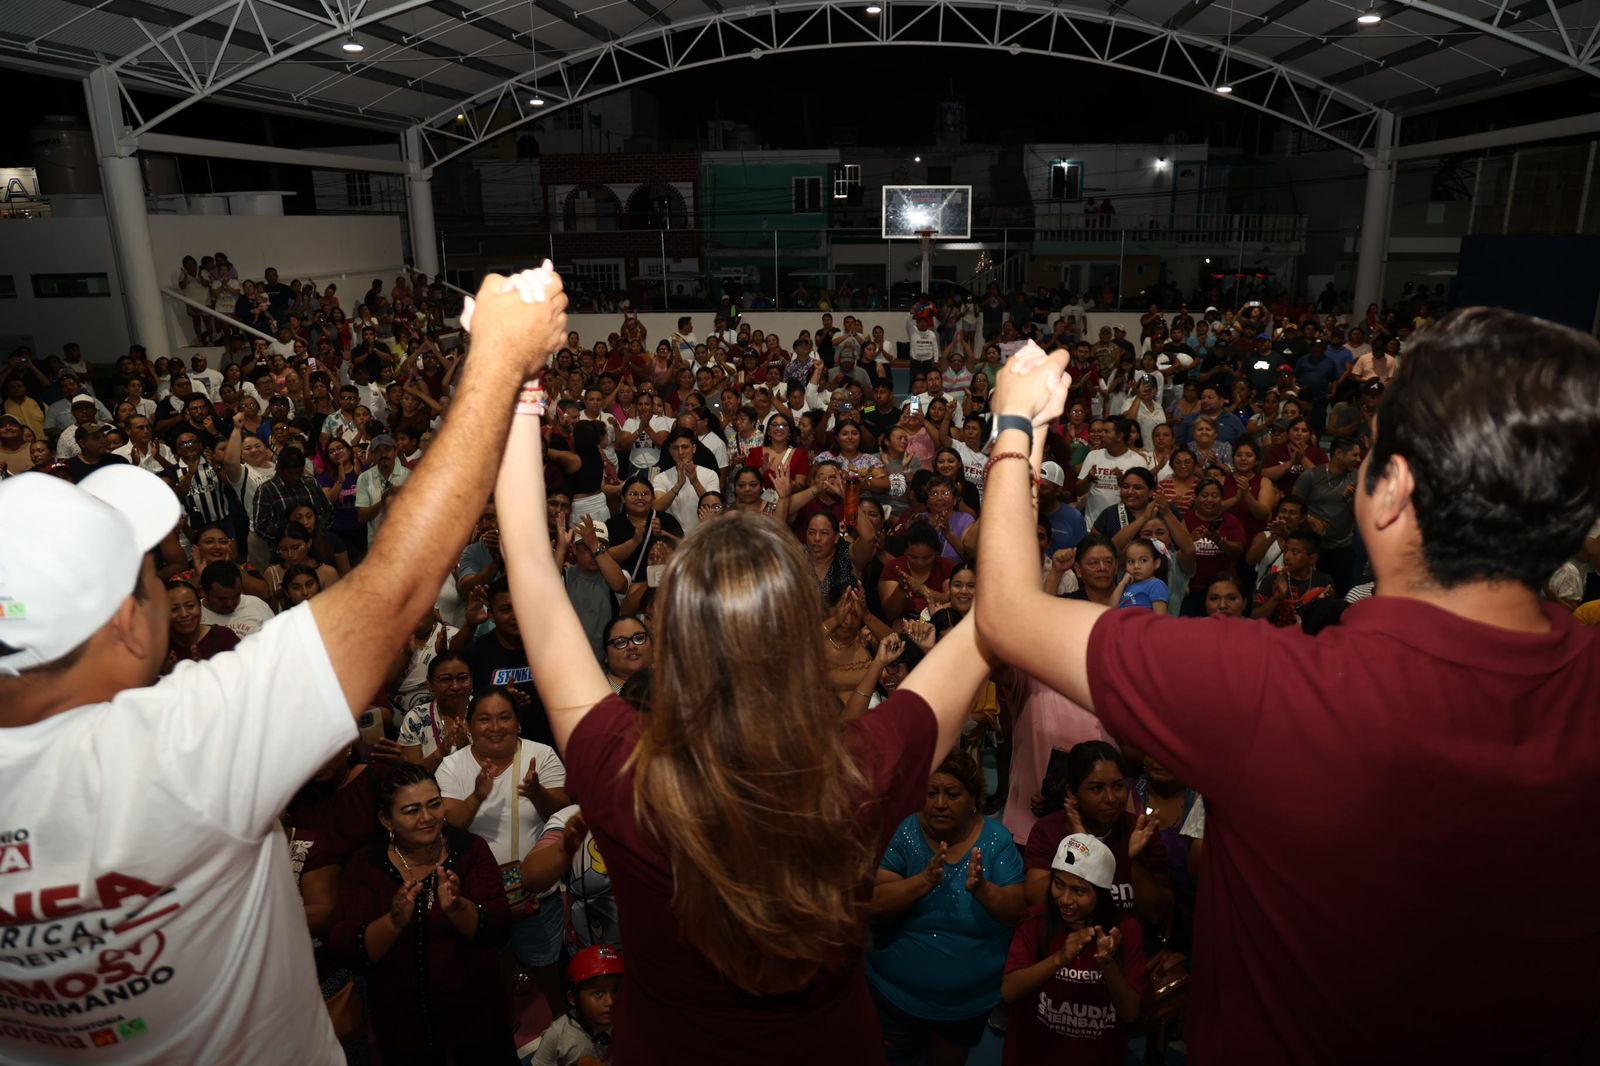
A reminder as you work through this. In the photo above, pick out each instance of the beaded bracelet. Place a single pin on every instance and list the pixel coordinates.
(531, 400)
(1002, 457)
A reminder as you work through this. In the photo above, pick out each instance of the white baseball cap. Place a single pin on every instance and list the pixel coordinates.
(70, 554)
(1053, 473)
(1082, 855)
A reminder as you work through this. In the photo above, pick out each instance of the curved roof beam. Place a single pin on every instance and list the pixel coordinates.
(1018, 27)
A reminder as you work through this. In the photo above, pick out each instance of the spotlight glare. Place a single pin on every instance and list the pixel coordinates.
(1369, 17)
(352, 45)
(1224, 89)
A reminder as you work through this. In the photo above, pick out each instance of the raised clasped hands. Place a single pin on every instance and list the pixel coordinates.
(524, 315)
(1033, 384)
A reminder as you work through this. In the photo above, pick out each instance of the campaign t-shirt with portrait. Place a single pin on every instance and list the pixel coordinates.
(148, 912)
(1104, 472)
(1071, 1020)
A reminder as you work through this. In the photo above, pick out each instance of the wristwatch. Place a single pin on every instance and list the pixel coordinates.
(1005, 422)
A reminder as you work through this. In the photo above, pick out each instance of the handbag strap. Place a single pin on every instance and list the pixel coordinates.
(516, 804)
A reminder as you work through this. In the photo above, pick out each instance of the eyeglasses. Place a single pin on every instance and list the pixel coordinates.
(638, 640)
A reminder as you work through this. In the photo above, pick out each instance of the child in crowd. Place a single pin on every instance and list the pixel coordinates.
(582, 1036)
(1075, 974)
(1144, 582)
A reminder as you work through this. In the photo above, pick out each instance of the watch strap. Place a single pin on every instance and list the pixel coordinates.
(1005, 422)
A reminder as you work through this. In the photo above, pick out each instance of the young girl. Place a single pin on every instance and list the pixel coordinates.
(1144, 584)
(1075, 973)
(584, 1032)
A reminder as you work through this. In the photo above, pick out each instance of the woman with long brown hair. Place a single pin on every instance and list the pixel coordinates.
(741, 819)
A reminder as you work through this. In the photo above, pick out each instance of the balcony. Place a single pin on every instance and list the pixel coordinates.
(1199, 234)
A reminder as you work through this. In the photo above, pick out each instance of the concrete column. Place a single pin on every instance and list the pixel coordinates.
(123, 183)
(1374, 250)
(419, 189)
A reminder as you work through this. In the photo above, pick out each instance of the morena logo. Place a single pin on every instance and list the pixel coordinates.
(16, 853)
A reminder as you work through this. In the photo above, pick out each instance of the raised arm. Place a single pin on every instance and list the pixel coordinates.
(948, 679)
(1016, 610)
(564, 667)
(367, 616)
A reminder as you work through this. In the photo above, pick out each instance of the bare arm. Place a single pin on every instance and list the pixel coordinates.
(948, 679)
(369, 614)
(568, 677)
(1016, 609)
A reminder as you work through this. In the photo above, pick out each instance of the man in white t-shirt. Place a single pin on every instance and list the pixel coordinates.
(1101, 473)
(148, 912)
(224, 603)
(922, 338)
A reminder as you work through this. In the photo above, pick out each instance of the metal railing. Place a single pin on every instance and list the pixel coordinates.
(1210, 230)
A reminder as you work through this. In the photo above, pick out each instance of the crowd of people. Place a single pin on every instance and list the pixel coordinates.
(1045, 883)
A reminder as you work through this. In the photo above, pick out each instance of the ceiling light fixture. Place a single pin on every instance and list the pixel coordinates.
(536, 100)
(874, 9)
(1224, 89)
(352, 45)
(1369, 17)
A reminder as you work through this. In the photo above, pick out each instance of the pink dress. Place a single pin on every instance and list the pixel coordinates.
(1048, 721)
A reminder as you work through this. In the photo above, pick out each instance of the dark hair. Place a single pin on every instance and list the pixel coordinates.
(1096, 540)
(179, 583)
(295, 531)
(1143, 474)
(1123, 427)
(501, 587)
(1307, 537)
(1298, 501)
(965, 769)
(298, 570)
(1322, 613)
(1229, 578)
(924, 535)
(440, 659)
(680, 433)
(1155, 553)
(605, 634)
(1498, 416)
(1084, 757)
(222, 573)
(403, 775)
(493, 692)
(587, 436)
(1341, 445)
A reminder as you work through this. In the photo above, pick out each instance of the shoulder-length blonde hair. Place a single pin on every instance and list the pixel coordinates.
(743, 769)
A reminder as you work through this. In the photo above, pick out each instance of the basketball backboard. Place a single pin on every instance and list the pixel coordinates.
(910, 211)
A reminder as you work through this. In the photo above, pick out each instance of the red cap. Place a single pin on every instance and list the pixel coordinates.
(599, 961)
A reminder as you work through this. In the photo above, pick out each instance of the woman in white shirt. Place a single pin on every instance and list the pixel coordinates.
(503, 789)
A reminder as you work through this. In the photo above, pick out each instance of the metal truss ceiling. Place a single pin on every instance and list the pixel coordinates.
(462, 72)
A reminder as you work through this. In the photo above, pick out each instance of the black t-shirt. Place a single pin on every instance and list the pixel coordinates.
(81, 469)
(492, 665)
(620, 529)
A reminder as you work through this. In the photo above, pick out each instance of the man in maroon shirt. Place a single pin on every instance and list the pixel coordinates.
(1364, 787)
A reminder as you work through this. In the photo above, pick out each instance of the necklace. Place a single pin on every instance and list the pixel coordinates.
(836, 645)
(402, 857)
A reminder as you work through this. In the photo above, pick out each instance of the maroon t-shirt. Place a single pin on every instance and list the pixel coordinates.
(1378, 799)
(676, 1007)
(1070, 1020)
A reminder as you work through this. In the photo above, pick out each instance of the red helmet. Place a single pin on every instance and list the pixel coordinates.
(598, 961)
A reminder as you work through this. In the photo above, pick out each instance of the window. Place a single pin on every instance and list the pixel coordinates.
(808, 196)
(64, 286)
(1066, 180)
(358, 190)
(847, 184)
(8, 287)
(599, 275)
(574, 118)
